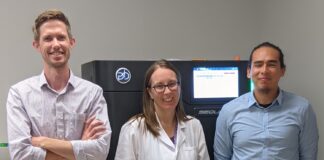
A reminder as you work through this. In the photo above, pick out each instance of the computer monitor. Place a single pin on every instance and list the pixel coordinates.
(218, 83)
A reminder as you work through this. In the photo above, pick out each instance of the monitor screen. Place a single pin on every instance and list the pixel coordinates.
(215, 82)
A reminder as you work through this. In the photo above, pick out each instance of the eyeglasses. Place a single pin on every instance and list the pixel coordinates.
(160, 88)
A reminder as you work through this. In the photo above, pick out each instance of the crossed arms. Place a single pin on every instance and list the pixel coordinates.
(61, 149)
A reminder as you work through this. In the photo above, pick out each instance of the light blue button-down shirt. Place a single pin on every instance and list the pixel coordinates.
(34, 109)
(285, 130)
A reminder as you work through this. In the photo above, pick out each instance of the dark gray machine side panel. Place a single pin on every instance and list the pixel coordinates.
(121, 107)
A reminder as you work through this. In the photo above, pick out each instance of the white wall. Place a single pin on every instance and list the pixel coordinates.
(298, 27)
(182, 29)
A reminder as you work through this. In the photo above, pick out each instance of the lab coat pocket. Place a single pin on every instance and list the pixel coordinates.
(74, 123)
(187, 153)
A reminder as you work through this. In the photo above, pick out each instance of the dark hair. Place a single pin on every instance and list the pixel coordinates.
(151, 123)
(51, 14)
(268, 44)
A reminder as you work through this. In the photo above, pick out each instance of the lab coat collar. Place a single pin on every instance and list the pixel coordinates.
(181, 133)
(166, 139)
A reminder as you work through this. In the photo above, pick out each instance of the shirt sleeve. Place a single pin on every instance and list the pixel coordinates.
(309, 136)
(222, 143)
(95, 149)
(19, 130)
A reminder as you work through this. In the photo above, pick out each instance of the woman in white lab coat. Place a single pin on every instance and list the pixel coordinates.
(163, 131)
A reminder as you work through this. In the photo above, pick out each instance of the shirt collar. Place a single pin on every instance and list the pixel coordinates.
(252, 101)
(72, 80)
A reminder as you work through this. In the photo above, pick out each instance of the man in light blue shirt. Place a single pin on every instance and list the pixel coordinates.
(267, 123)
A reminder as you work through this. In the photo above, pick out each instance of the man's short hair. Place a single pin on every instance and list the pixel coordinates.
(51, 14)
(268, 44)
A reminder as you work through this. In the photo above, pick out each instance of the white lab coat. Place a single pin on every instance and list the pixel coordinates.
(136, 144)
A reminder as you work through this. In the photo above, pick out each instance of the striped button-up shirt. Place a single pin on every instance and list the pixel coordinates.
(34, 109)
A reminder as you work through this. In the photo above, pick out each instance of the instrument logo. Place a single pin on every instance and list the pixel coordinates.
(123, 75)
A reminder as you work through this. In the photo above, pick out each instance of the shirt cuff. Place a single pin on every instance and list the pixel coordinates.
(78, 150)
(39, 153)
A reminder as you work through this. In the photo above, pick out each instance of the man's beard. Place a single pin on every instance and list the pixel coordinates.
(264, 90)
